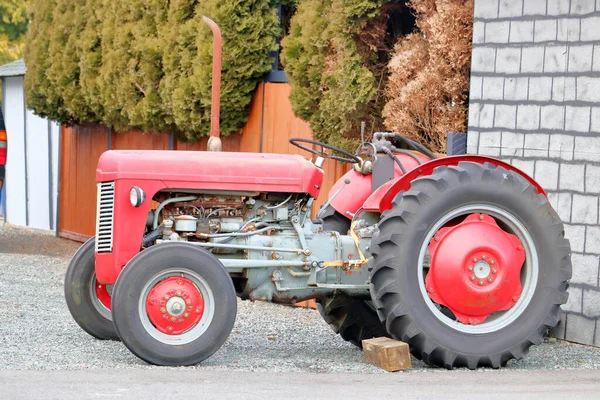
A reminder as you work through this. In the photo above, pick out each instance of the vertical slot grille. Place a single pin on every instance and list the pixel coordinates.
(105, 217)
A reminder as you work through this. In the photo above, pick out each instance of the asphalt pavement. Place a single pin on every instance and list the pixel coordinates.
(274, 350)
(188, 384)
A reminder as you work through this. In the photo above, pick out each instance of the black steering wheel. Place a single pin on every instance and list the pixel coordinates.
(348, 157)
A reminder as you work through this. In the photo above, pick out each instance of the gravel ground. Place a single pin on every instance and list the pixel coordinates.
(38, 333)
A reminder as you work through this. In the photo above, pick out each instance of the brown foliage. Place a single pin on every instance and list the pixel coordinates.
(429, 73)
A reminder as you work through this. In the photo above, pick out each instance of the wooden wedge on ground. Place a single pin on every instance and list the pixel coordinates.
(389, 354)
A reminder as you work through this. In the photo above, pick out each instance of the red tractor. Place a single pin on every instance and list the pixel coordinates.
(461, 257)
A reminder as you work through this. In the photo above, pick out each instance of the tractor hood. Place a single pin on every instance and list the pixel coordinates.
(213, 170)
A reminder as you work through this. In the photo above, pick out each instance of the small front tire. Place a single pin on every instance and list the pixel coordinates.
(174, 305)
(87, 300)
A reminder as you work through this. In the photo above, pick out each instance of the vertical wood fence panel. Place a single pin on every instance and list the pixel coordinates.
(82, 146)
(139, 141)
(250, 136)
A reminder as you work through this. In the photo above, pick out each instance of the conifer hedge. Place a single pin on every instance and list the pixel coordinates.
(333, 84)
(146, 64)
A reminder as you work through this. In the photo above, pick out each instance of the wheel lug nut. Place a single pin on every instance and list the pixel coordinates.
(494, 271)
(188, 301)
(470, 268)
(185, 315)
(491, 261)
(163, 310)
(474, 259)
(173, 319)
(480, 283)
(166, 297)
(179, 293)
(483, 257)
(490, 280)
(472, 277)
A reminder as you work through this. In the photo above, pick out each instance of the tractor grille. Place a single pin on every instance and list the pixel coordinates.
(105, 215)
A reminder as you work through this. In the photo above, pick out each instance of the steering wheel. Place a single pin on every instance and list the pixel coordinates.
(348, 157)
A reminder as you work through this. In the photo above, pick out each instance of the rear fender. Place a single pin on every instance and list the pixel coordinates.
(382, 198)
(352, 196)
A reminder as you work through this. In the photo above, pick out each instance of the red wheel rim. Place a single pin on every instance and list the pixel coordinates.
(475, 268)
(102, 294)
(174, 305)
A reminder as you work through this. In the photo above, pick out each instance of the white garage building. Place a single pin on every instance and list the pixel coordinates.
(31, 184)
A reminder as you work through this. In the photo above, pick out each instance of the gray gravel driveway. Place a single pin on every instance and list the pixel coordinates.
(38, 333)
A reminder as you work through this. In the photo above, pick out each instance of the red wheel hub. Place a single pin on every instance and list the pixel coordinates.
(102, 295)
(475, 268)
(174, 305)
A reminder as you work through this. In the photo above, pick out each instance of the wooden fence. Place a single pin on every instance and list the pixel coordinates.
(270, 126)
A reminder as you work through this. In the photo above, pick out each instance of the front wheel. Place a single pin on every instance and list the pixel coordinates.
(470, 266)
(87, 300)
(174, 304)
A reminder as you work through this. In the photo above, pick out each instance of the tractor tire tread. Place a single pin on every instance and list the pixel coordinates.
(353, 319)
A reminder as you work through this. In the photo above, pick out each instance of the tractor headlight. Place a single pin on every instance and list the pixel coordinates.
(136, 196)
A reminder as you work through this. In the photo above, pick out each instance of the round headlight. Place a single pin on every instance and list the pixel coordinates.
(136, 196)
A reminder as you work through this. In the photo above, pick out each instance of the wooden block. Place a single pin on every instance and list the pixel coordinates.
(389, 354)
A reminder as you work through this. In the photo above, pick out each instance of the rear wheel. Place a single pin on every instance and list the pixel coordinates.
(174, 304)
(87, 300)
(470, 266)
(353, 319)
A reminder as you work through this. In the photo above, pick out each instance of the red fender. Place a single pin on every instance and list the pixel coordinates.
(352, 196)
(381, 199)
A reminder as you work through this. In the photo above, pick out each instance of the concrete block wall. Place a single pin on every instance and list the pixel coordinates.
(535, 102)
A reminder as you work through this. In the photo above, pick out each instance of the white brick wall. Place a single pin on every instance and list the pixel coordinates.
(535, 101)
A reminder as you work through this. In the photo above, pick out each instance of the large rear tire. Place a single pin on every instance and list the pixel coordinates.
(87, 300)
(408, 231)
(174, 304)
(353, 319)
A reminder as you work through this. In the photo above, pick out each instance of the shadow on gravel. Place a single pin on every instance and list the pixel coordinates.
(24, 241)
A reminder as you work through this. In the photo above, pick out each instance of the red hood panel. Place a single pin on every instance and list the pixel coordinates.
(213, 170)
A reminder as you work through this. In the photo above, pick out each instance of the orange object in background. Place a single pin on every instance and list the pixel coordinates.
(3, 148)
(308, 304)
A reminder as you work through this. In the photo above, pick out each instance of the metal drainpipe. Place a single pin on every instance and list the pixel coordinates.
(214, 141)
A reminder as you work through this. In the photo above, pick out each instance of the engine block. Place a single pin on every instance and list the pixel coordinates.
(271, 248)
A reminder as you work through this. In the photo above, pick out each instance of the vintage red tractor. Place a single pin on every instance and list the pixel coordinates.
(461, 257)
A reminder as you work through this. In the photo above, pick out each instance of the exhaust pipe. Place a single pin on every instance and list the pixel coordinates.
(214, 141)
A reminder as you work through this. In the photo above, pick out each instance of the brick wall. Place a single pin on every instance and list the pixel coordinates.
(535, 102)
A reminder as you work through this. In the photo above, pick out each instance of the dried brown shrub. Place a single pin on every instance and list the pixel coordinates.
(428, 84)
